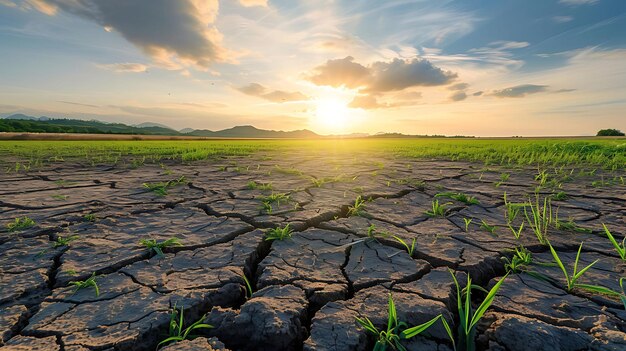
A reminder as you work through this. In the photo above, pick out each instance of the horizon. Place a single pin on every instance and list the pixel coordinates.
(147, 124)
(494, 69)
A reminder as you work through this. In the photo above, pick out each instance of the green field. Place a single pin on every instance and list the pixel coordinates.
(601, 153)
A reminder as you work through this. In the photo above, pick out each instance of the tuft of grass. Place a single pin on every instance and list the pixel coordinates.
(357, 208)
(621, 248)
(571, 280)
(504, 177)
(517, 232)
(570, 225)
(437, 209)
(278, 233)
(252, 185)
(372, 233)
(158, 246)
(273, 198)
(289, 171)
(468, 200)
(20, 223)
(467, 221)
(84, 284)
(160, 188)
(468, 318)
(560, 196)
(520, 260)
(61, 241)
(396, 331)
(177, 330)
(487, 227)
(90, 217)
(60, 197)
(540, 218)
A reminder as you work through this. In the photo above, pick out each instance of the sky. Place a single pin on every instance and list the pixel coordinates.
(472, 67)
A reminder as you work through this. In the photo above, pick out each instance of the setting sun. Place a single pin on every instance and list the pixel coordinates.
(332, 114)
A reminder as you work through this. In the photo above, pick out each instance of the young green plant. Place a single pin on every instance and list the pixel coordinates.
(572, 280)
(394, 334)
(540, 218)
(467, 221)
(519, 262)
(278, 233)
(20, 223)
(468, 200)
(89, 282)
(158, 246)
(358, 208)
(177, 330)
(468, 318)
(437, 209)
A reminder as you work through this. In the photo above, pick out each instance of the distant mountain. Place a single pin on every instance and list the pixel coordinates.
(20, 123)
(252, 132)
(152, 124)
(20, 116)
(27, 124)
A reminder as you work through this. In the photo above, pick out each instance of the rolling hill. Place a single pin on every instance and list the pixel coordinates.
(20, 123)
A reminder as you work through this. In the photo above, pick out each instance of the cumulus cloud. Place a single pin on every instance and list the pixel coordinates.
(341, 72)
(400, 74)
(173, 33)
(258, 90)
(250, 3)
(380, 76)
(124, 67)
(458, 96)
(520, 90)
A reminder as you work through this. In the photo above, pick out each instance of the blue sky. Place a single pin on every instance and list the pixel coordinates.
(550, 67)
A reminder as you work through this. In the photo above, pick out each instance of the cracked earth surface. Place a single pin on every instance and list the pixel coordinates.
(307, 290)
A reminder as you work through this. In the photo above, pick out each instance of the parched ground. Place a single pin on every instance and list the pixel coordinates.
(307, 289)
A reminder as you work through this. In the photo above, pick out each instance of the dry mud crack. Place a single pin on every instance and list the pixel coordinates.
(308, 289)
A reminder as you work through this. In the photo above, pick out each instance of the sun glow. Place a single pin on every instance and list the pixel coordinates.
(333, 115)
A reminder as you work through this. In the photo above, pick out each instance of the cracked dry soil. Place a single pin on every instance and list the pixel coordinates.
(307, 290)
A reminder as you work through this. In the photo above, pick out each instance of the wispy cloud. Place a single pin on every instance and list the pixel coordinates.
(77, 104)
(278, 96)
(251, 3)
(127, 67)
(520, 91)
(578, 2)
(562, 19)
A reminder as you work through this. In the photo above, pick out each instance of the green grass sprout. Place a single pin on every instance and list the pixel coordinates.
(158, 246)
